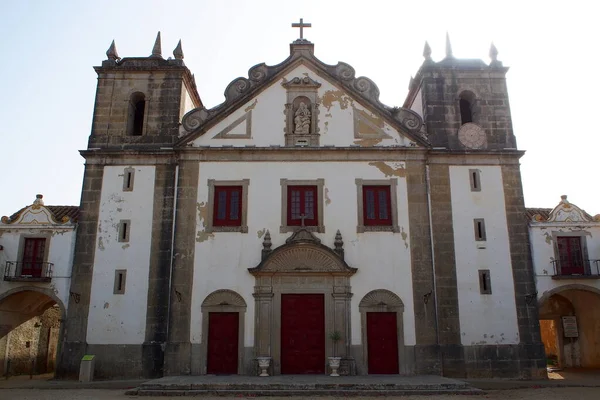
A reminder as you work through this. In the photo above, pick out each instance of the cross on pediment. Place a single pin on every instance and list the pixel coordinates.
(302, 217)
(301, 25)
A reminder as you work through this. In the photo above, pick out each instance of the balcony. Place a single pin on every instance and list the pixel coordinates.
(18, 271)
(588, 269)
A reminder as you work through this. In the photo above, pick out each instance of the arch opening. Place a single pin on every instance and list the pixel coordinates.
(137, 109)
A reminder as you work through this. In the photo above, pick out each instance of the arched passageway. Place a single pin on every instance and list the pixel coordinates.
(30, 331)
(570, 326)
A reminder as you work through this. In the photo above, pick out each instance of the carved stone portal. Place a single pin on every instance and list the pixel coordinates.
(301, 112)
(302, 265)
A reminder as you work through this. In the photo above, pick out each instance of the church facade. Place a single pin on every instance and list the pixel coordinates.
(302, 219)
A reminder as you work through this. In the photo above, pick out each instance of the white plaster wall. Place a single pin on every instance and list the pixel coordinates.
(60, 253)
(121, 318)
(336, 121)
(484, 318)
(542, 252)
(222, 259)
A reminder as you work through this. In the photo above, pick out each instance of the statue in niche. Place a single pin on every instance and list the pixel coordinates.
(302, 119)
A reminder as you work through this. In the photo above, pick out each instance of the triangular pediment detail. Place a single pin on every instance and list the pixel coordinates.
(569, 212)
(302, 235)
(244, 132)
(243, 90)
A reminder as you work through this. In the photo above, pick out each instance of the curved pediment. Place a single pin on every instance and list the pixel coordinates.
(241, 90)
(298, 257)
(39, 214)
(568, 212)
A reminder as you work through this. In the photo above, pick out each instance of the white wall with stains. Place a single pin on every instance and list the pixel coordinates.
(121, 318)
(382, 258)
(542, 253)
(484, 318)
(336, 119)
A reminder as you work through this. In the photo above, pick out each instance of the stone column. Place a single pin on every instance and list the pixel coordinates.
(263, 300)
(341, 306)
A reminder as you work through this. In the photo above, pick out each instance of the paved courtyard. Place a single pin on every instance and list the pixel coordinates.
(578, 393)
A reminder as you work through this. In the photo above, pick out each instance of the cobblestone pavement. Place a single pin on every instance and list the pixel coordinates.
(571, 393)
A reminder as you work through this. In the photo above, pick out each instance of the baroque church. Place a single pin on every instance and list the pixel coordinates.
(302, 219)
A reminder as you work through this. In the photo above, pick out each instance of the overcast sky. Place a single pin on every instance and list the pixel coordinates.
(47, 83)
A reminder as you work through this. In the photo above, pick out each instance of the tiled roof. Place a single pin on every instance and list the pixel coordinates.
(531, 212)
(58, 211)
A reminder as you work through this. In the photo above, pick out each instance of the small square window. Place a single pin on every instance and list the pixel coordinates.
(302, 207)
(479, 226)
(227, 206)
(377, 205)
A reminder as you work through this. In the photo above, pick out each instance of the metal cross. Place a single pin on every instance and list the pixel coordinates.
(301, 25)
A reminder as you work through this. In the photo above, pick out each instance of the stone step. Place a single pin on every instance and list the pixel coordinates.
(306, 393)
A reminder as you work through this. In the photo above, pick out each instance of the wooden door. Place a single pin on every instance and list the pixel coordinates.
(223, 335)
(382, 342)
(33, 257)
(302, 333)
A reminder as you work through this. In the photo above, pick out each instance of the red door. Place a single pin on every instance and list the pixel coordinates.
(33, 257)
(571, 257)
(302, 333)
(223, 329)
(382, 342)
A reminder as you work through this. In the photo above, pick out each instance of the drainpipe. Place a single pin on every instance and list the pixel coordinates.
(435, 299)
(175, 185)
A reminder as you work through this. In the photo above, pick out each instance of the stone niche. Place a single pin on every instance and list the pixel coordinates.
(301, 111)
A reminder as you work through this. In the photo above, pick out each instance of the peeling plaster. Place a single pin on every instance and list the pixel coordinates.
(100, 243)
(548, 238)
(404, 236)
(202, 236)
(397, 169)
(251, 106)
(327, 199)
(368, 142)
(326, 128)
(328, 115)
(261, 232)
(332, 96)
(125, 246)
(106, 305)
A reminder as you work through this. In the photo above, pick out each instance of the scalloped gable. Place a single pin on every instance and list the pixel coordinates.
(39, 214)
(243, 93)
(568, 212)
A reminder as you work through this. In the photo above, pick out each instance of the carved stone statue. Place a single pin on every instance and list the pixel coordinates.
(302, 119)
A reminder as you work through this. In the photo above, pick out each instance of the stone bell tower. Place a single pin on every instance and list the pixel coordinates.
(464, 102)
(140, 100)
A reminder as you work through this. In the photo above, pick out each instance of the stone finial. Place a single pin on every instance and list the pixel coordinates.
(38, 200)
(563, 199)
(157, 50)
(178, 52)
(448, 47)
(339, 244)
(427, 52)
(267, 245)
(111, 53)
(494, 56)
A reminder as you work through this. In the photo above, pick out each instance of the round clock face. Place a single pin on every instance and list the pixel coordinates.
(471, 136)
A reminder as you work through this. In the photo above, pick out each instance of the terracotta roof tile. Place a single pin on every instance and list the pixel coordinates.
(531, 212)
(59, 212)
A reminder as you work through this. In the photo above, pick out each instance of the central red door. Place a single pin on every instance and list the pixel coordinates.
(382, 342)
(302, 333)
(222, 357)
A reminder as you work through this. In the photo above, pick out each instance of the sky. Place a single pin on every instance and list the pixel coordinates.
(47, 80)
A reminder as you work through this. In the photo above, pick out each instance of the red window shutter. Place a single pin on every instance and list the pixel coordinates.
(377, 207)
(227, 206)
(33, 256)
(570, 255)
(302, 202)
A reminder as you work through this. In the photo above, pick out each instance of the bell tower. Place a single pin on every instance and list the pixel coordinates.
(463, 102)
(140, 100)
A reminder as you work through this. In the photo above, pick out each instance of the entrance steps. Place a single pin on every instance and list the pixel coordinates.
(302, 385)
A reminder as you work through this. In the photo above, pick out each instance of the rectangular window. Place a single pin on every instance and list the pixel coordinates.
(33, 257)
(124, 228)
(302, 206)
(227, 206)
(377, 205)
(120, 278)
(479, 225)
(570, 254)
(128, 175)
(485, 283)
(475, 180)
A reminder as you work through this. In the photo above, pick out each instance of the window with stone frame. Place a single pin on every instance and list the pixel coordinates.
(302, 205)
(227, 206)
(570, 255)
(377, 205)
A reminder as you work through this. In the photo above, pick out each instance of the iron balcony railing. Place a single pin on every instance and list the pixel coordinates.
(589, 268)
(28, 271)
